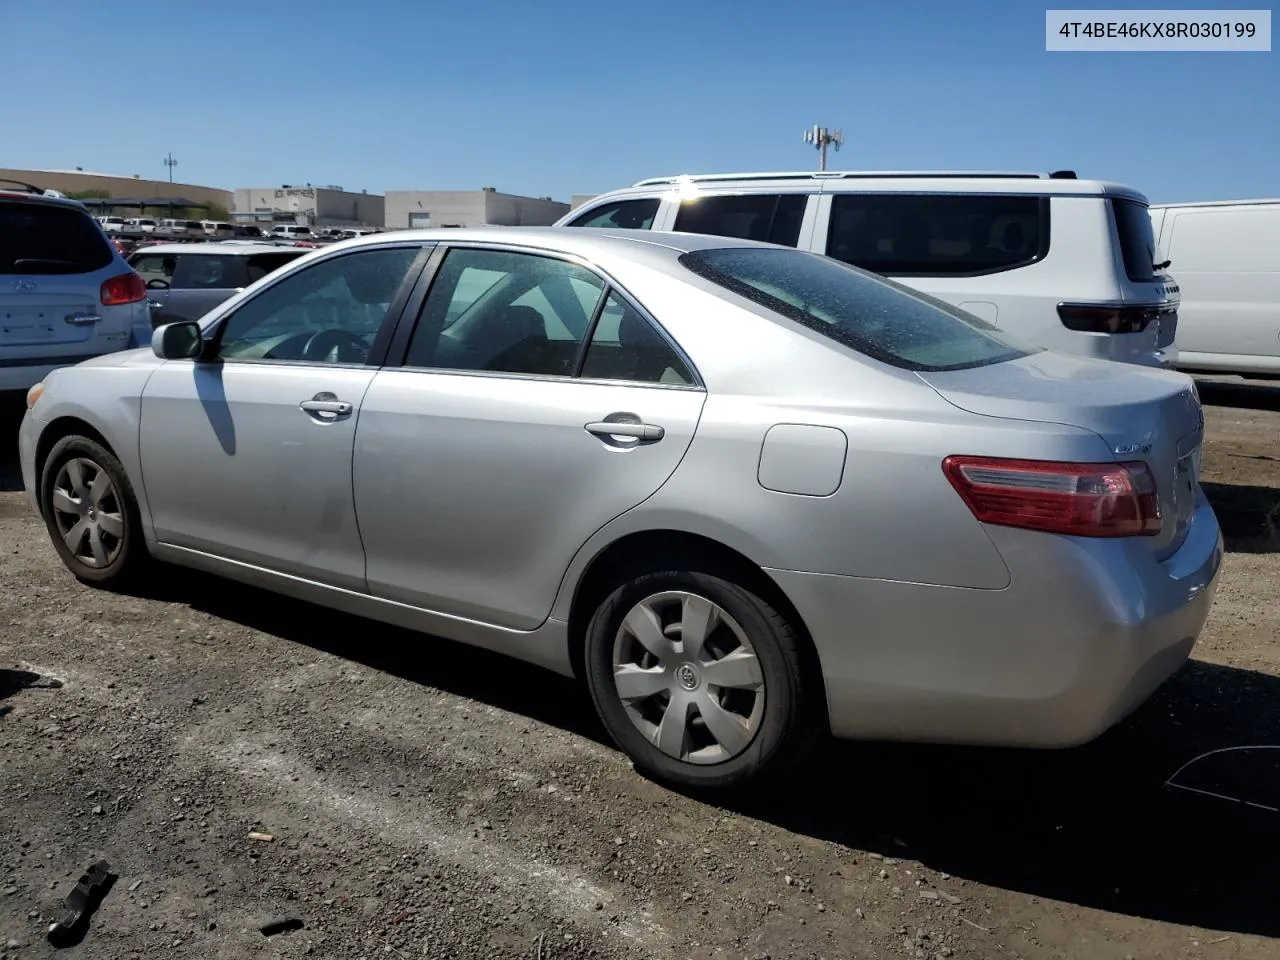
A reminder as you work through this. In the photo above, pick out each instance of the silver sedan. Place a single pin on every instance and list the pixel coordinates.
(749, 494)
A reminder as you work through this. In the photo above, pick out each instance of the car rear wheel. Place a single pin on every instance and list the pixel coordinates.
(700, 681)
(91, 513)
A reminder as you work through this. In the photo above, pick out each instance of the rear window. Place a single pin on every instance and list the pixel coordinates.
(878, 318)
(1137, 240)
(938, 235)
(39, 238)
(620, 215)
(768, 217)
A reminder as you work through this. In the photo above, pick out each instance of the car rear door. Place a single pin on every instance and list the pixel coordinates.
(485, 462)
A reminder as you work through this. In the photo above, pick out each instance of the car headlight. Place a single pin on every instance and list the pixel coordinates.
(34, 394)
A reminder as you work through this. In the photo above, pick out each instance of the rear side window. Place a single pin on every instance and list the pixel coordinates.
(771, 218)
(878, 318)
(1137, 239)
(208, 272)
(620, 215)
(39, 238)
(938, 235)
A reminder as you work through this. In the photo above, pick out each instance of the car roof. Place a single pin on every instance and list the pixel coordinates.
(27, 197)
(1197, 204)
(214, 246)
(897, 181)
(581, 241)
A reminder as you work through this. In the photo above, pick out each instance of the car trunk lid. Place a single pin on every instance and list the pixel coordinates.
(1148, 415)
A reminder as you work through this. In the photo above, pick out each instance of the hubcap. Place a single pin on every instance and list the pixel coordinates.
(688, 677)
(88, 512)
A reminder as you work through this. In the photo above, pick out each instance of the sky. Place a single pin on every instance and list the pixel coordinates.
(566, 97)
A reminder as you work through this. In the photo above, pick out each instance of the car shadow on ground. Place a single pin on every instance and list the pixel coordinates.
(1249, 515)
(12, 407)
(1097, 825)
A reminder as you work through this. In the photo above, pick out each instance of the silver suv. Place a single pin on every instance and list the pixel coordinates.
(66, 294)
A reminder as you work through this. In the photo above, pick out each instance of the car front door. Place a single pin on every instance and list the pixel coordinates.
(485, 462)
(246, 454)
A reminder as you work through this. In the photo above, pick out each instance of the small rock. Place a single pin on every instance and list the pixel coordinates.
(135, 885)
(858, 913)
(261, 837)
(883, 874)
(822, 908)
(686, 896)
(97, 811)
(928, 894)
(787, 879)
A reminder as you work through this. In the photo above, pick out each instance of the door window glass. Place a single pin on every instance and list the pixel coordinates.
(329, 312)
(620, 215)
(625, 346)
(497, 311)
(770, 218)
(208, 272)
(155, 266)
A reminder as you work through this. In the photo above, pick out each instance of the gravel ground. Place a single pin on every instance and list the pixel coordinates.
(428, 800)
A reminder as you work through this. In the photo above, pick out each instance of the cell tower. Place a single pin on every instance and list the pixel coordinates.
(822, 138)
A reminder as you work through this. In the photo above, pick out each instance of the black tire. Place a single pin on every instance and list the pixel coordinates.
(793, 717)
(127, 552)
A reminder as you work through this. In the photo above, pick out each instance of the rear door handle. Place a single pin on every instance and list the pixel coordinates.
(644, 432)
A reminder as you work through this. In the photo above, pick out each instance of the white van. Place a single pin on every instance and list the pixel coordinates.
(1064, 263)
(1226, 258)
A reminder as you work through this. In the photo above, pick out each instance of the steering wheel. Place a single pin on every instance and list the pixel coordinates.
(322, 344)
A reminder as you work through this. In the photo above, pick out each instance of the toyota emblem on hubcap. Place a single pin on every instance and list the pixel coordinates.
(687, 676)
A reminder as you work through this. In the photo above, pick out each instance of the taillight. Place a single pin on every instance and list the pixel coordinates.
(1078, 499)
(126, 288)
(1101, 318)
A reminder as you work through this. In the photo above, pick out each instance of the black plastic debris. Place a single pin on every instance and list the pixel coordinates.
(81, 903)
(280, 925)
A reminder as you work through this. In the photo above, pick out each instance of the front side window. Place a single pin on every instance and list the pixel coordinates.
(938, 235)
(156, 267)
(504, 312)
(878, 318)
(769, 218)
(329, 312)
(621, 215)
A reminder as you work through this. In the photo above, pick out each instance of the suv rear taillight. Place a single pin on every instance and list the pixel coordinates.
(1077, 499)
(126, 288)
(1103, 318)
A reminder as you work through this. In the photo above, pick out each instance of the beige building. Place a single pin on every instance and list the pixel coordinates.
(132, 187)
(469, 208)
(325, 206)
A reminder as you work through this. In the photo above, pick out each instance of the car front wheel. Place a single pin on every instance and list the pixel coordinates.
(700, 681)
(91, 513)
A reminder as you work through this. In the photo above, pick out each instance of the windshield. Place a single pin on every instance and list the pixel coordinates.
(876, 317)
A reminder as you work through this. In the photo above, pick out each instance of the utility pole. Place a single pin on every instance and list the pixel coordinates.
(170, 163)
(821, 138)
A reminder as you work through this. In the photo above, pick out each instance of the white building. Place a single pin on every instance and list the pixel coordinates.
(327, 206)
(469, 208)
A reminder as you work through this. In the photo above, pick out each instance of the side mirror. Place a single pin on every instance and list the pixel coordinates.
(157, 284)
(177, 341)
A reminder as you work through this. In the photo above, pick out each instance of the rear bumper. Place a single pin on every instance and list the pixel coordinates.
(1085, 633)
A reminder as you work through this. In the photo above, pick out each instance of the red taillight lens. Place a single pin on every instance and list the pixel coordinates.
(1094, 318)
(126, 288)
(1077, 499)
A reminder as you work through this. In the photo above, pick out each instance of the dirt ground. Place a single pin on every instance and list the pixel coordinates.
(428, 800)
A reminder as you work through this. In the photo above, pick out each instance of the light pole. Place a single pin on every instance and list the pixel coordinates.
(170, 163)
(821, 138)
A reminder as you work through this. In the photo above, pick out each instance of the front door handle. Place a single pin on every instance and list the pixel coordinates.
(327, 403)
(644, 432)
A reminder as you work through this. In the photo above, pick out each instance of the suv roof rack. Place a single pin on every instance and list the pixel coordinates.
(30, 188)
(856, 174)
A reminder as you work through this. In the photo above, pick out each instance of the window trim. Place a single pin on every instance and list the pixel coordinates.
(1038, 255)
(412, 316)
(214, 328)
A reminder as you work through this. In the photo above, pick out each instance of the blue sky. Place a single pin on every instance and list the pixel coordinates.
(568, 97)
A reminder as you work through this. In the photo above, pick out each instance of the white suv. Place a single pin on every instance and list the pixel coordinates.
(65, 293)
(1064, 263)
